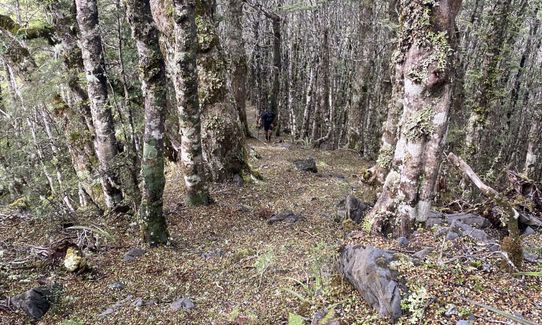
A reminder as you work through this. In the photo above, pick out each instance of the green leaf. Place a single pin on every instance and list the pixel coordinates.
(295, 319)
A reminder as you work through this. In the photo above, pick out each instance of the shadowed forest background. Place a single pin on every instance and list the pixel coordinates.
(401, 183)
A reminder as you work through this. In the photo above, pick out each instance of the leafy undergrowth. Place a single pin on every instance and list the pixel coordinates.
(237, 269)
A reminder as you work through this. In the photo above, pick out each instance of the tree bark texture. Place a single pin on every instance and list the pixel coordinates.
(105, 142)
(427, 45)
(185, 80)
(153, 85)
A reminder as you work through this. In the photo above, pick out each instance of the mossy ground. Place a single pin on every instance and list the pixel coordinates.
(240, 270)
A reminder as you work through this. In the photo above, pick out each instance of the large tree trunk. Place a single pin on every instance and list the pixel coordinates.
(185, 80)
(222, 136)
(238, 59)
(153, 85)
(106, 142)
(426, 46)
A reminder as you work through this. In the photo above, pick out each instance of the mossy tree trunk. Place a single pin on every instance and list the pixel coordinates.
(533, 143)
(185, 80)
(238, 58)
(222, 135)
(489, 73)
(78, 126)
(153, 85)
(427, 45)
(93, 60)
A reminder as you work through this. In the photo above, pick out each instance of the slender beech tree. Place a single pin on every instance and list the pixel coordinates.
(489, 73)
(185, 80)
(153, 85)
(102, 118)
(238, 58)
(427, 46)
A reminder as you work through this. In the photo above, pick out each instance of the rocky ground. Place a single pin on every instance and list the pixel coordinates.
(228, 265)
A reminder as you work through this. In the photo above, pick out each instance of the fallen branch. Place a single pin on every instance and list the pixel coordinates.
(511, 244)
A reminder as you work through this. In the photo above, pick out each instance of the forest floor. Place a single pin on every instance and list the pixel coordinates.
(238, 269)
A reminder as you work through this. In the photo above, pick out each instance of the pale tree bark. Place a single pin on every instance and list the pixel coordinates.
(427, 46)
(238, 58)
(153, 85)
(185, 80)
(102, 118)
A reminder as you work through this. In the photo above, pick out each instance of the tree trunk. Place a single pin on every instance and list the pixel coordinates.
(277, 68)
(222, 135)
(236, 48)
(484, 92)
(186, 88)
(426, 45)
(531, 159)
(153, 85)
(106, 142)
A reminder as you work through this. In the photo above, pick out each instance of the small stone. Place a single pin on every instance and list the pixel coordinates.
(287, 216)
(117, 285)
(238, 180)
(423, 253)
(441, 231)
(402, 241)
(132, 254)
(138, 302)
(531, 258)
(528, 231)
(307, 165)
(183, 303)
(451, 236)
(34, 302)
(462, 322)
(452, 310)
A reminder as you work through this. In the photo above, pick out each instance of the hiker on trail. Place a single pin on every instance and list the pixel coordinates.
(267, 118)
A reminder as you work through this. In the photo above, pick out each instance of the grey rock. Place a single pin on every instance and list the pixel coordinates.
(452, 310)
(117, 285)
(531, 258)
(529, 220)
(423, 253)
(287, 216)
(367, 269)
(402, 241)
(434, 218)
(451, 236)
(238, 180)
(138, 302)
(528, 231)
(468, 219)
(183, 303)
(113, 308)
(493, 246)
(355, 209)
(441, 231)
(466, 230)
(462, 322)
(133, 254)
(430, 222)
(306, 165)
(34, 302)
